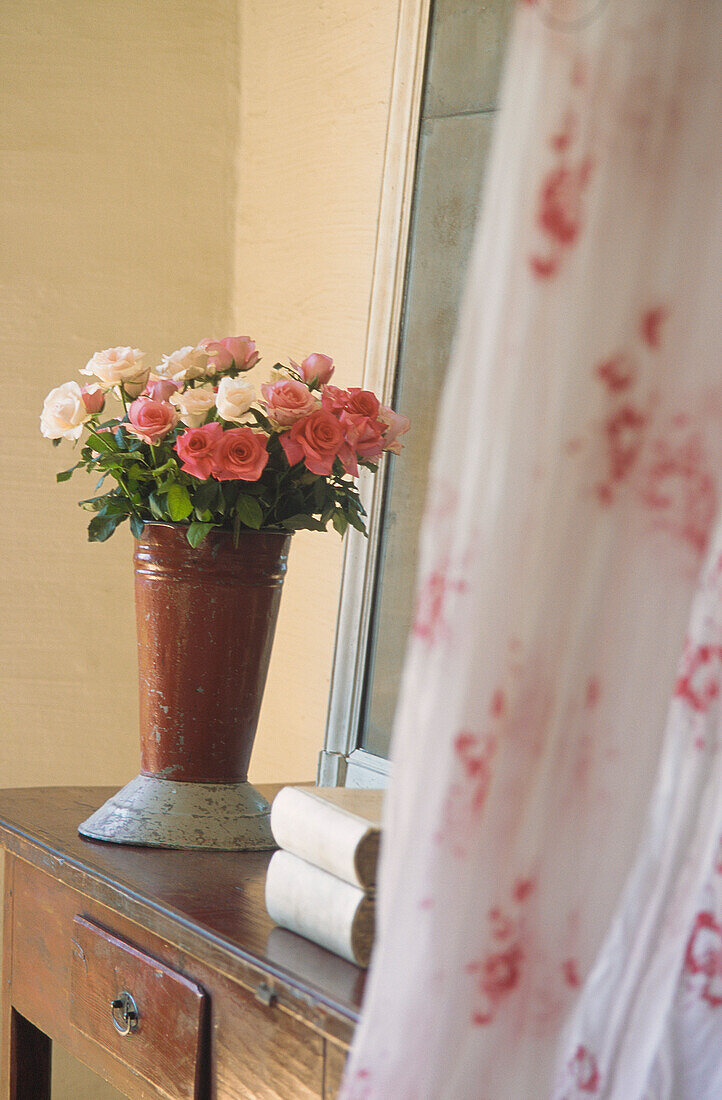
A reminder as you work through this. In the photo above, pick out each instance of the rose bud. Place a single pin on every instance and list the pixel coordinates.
(93, 398)
(315, 366)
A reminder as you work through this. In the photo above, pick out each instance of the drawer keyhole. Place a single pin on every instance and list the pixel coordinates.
(125, 1013)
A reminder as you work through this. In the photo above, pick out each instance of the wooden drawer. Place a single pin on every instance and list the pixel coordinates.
(249, 1050)
(161, 1039)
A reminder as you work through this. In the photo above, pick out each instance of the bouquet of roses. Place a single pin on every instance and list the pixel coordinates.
(192, 443)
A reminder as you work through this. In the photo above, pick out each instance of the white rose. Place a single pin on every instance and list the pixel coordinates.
(194, 404)
(64, 412)
(116, 366)
(234, 398)
(185, 364)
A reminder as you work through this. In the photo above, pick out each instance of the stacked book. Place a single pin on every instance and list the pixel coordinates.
(321, 883)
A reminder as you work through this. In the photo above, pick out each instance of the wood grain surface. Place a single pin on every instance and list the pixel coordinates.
(208, 903)
(281, 1013)
(166, 1044)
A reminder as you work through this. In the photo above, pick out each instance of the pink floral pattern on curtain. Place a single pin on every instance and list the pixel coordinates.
(550, 907)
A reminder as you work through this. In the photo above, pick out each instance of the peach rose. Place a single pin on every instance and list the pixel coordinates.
(234, 398)
(287, 401)
(119, 367)
(194, 404)
(317, 439)
(64, 412)
(240, 455)
(196, 449)
(151, 420)
(396, 425)
(315, 366)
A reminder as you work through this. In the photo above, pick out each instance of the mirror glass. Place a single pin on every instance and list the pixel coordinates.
(466, 46)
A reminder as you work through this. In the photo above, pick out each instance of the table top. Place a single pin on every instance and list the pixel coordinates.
(210, 904)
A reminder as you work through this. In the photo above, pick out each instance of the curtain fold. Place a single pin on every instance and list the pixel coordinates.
(552, 819)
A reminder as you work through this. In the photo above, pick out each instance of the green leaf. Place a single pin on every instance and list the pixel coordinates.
(137, 525)
(155, 506)
(198, 531)
(355, 520)
(320, 489)
(101, 528)
(179, 503)
(67, 474)
(262, 420)
(253, 488)
(208, 495)
(95, 504)
(249, 511)
(104, 443)
(340, 523)
(303, 523)
(137, 471)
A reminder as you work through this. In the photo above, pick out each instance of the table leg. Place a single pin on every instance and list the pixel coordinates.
(26, 1051)
(29, 1060)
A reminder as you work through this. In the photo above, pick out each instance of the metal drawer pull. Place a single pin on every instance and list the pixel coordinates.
(265, 995)
(125, 1013)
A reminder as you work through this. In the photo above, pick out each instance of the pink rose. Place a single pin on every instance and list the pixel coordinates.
(315, 366)
(234, 352)
(355, 400)
(334, 400)
(161, 389)
(240, 455)
(93, 399)
(287, 401)
(151, 420)
(396, 425)
(362, 402)
(317, 439)
(364, 435)
(196, 449)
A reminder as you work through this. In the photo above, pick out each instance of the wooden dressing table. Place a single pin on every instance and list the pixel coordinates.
(160, 970)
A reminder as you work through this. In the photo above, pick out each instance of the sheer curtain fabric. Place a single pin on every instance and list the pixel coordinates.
(550, 905)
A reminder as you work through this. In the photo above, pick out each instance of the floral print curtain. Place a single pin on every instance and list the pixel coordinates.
(550, 903)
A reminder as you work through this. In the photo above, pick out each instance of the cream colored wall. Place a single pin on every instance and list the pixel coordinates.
(118, 213)
(169, 171)
(315, 82)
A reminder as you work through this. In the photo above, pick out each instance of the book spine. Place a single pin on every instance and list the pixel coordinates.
(318, 832)
(315, 904)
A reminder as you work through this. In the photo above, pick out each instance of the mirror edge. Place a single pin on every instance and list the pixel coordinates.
(341, 761)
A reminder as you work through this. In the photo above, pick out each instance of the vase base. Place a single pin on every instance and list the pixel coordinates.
(160, 813)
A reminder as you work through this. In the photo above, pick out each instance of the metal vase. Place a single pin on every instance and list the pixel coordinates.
(205, 619)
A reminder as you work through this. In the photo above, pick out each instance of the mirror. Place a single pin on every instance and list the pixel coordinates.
(457, 103)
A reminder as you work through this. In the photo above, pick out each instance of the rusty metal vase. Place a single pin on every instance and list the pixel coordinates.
(205, 620)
